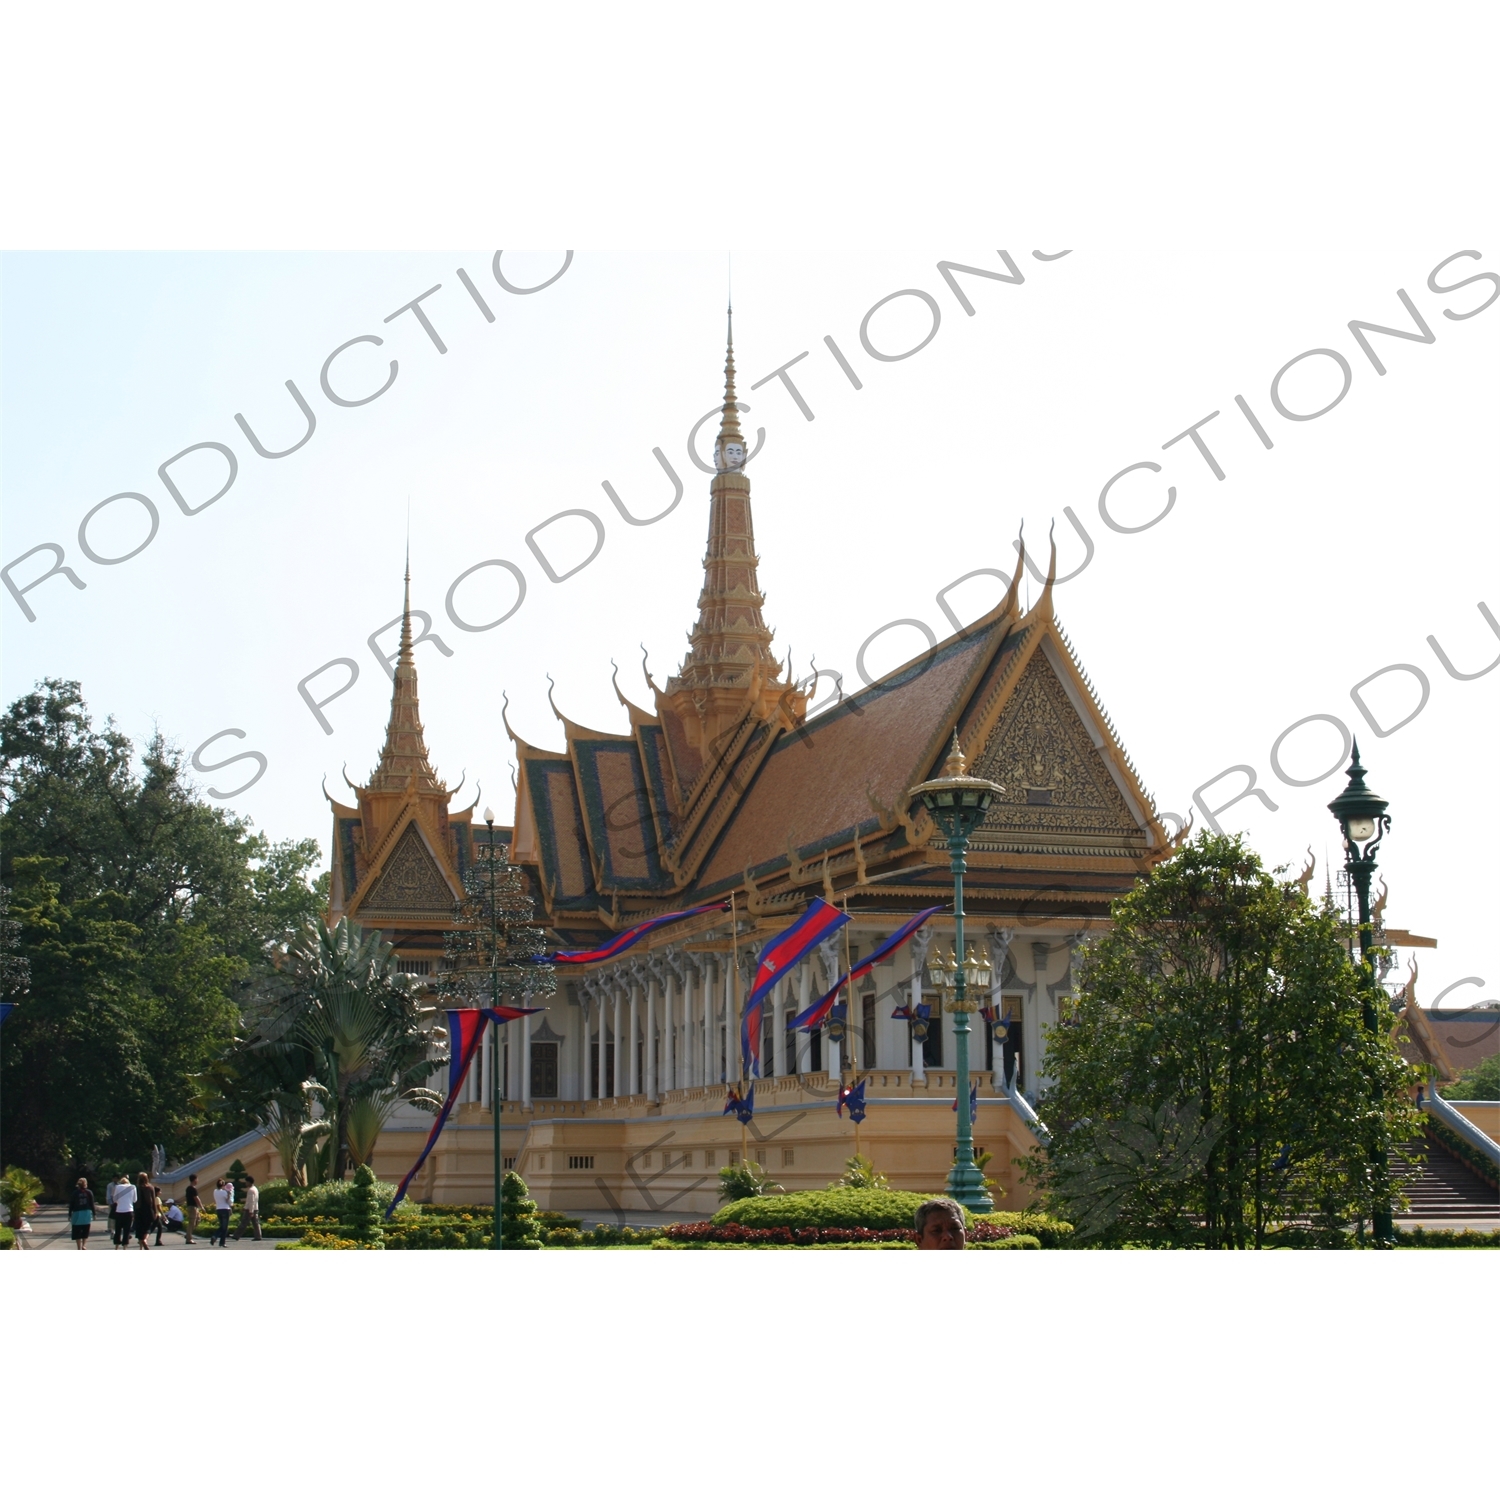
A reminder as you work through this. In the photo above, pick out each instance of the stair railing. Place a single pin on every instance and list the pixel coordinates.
(1440, 1109)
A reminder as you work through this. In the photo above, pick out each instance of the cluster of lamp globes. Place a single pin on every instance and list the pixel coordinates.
(943, 974)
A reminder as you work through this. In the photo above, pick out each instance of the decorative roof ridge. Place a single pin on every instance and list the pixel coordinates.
(1099, 709)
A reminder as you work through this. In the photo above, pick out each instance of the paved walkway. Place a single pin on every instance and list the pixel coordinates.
(50, 1231)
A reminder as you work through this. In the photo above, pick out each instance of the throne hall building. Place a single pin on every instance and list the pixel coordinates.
(614, 1095)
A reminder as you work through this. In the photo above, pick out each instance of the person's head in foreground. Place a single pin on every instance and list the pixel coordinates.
(940, 1225)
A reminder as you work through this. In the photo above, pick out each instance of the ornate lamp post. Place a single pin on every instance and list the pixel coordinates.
(495, 1093)
(1362, 817)
(957, 803)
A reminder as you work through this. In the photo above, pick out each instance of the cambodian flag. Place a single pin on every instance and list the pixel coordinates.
(741, 1108)
(973, 1103)
(778, 958)
(815, 1014)
(465, 1033)
(630, 937)
(854, 1101)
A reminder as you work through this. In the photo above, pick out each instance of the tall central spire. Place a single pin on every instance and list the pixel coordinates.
(403, 758)
(729, 667)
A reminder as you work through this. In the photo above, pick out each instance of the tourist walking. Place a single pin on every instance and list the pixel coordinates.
(250, 1213)
(223, 1207)
(147, 1210)
(81, 1213)
(194, 1203)
(122, 1204)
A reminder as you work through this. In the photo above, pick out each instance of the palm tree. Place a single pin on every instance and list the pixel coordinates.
(352, 1020)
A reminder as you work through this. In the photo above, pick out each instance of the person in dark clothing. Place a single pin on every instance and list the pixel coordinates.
(194, 1207)
(146, 1210)
(81, 1213)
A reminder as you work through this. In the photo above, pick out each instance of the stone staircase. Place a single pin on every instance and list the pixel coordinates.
(1442, 1187)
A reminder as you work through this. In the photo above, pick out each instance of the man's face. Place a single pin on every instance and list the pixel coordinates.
(941, 1231)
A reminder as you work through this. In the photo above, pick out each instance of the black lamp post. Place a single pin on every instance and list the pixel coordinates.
(958, 803)
(1363, 819)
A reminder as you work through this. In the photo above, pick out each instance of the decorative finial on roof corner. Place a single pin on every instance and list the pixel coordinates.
(1013, 593)
(955, 765)
(646, 667)
(553, 701)
(1044, 604)
(614, 678)
(505, 717)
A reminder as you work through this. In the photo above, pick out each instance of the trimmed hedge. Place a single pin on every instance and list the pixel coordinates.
(1052, 1234)
(1449, 1239)
(7, 1237)
(832, 1208)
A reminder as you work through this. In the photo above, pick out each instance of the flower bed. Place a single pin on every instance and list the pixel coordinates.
(712, 1231)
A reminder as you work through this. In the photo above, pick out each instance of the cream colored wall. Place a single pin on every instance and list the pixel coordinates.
(656, 1160)
(1485, 1113)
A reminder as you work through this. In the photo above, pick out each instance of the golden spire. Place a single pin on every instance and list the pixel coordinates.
(956, 765)
(729, 666)
(725, 456)
(403, 759)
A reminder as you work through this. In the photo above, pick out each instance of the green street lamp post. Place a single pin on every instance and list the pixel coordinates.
(495, 1095)
(957, 803)
(1362, 817)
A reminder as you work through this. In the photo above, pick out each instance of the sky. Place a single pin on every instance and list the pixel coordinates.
(1303, 556)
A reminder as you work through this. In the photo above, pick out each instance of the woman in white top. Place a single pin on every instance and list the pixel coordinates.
(223, 1204)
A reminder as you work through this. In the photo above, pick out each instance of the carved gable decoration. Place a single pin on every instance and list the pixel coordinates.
(410, 881)
(1058, 788)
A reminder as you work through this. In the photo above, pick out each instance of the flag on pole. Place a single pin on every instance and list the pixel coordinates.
(852, 1099)
(629, 938)
(465, 1032)
(973, 1103)
(777, 959)
(741, 1107)
(815, 1014)
(5, 1010)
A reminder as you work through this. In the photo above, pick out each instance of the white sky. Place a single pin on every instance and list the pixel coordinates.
(1259, 600)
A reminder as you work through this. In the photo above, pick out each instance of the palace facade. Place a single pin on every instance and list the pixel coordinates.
(725, 786)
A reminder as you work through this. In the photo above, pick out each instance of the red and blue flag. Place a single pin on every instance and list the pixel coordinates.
(815, 1014)
(777, 959)
(741, 1107)
(852, 1099)
(465, 1033)
(630, 937)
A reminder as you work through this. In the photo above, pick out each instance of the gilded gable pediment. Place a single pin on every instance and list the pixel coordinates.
(410, 883)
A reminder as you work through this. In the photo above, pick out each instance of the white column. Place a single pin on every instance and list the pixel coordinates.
(634, 1069)
(651, 1090)
(605, 1001)
(731, 1021)
(617, 1076)
(689, 1051)
(918, 950)
(778, 1026)
(525, 1062)
(804, 999)
(710, 1061)
(584, 1039)
(668, 1033)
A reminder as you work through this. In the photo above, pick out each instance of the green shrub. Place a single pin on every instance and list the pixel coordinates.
(564, 1236)
(550, 1220)
(1054, 1234)
(363, 1209)
(745, 1179)
(18, 1190)
(859, 1172)
(1015, 1242)
(834, 1208)
(431, 1234)
(316, 1240)
(518, 1226)
(7, 1237)
(332, 1199)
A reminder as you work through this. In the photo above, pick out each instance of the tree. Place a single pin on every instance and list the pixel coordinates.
(346, 1021)
(1215, 1076)
(143, 914)
(1482, 1081)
